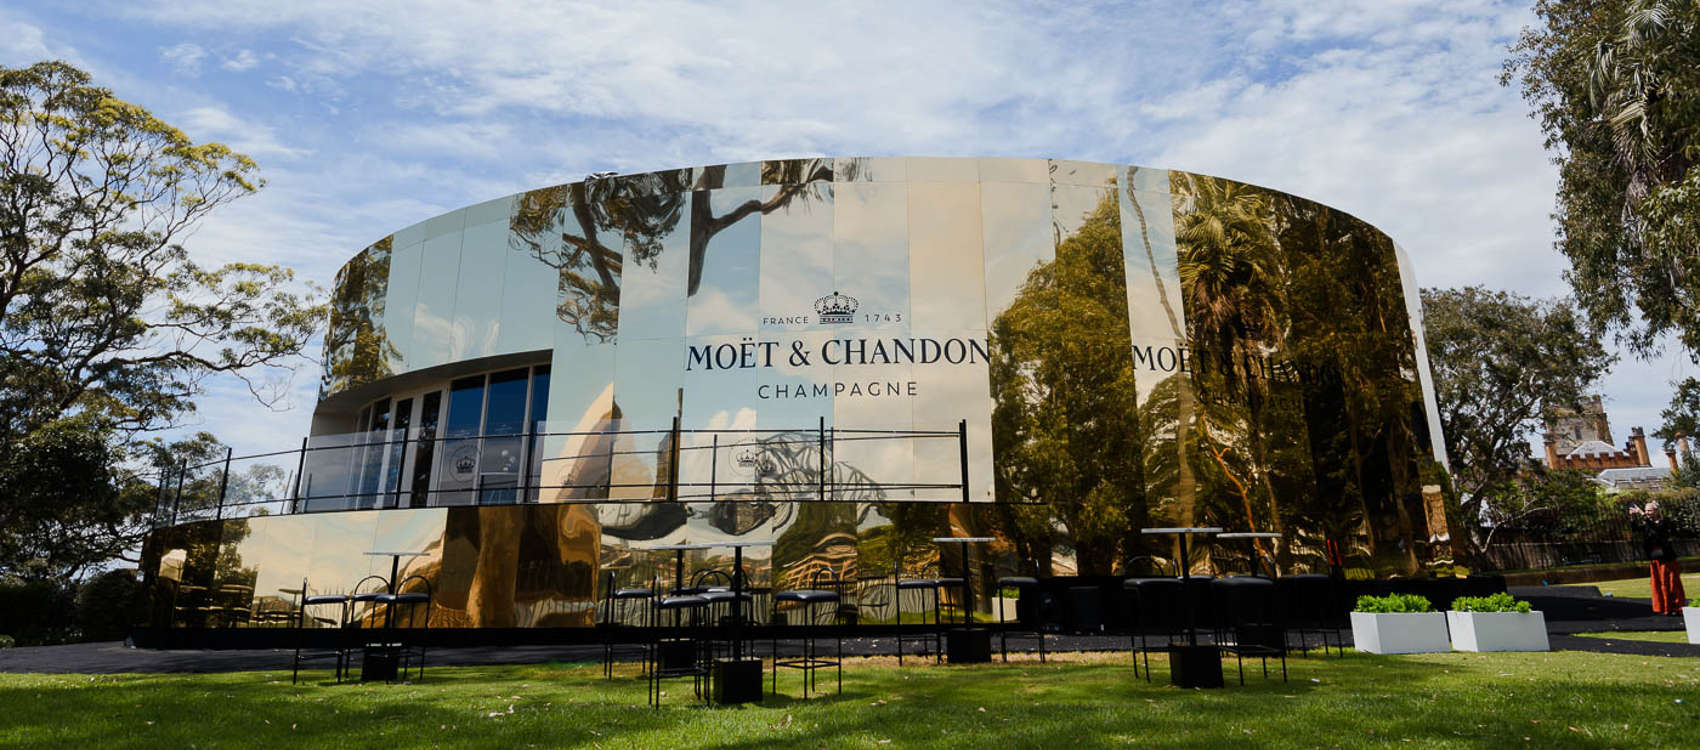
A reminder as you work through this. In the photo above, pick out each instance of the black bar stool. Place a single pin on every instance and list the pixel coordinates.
(681, 655)
(412, 642)
(928, 587)
(1159, 609)
(1309, 602)
(1248, 621)
(1027, 614)
(811, 660)
(613, 621)
(339, 647)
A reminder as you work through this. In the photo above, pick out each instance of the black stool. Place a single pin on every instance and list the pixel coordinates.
(811, 660)
(339, 648)
(1248, 621)
(936, 635)
(1159, 606)
(1035, 629)
(612, 621)
(1310, 605)
(682, 654)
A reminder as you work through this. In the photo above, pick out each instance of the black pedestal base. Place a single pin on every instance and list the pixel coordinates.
(737, 681)
(1195, 667)
(968, 646)
(379, 663)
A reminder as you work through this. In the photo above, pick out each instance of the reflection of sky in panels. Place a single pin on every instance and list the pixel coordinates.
(714, 399)
(870, 169)
(793, 413)
(277, 549)
(340, 541)
(408, 531)
(581, 396)
(1414, 308)
(945, 394)
(647, 375)
(946, 271)
(478, 298)
(1015, 217)
(871, 252)
(943, 169)
(1015, 170)
(402, 299)
(887, 462)
(726, 297)
(1072, 204)
(796, 258)
(652, 300)
(1149, 322)
(433, 314)
(528, 302)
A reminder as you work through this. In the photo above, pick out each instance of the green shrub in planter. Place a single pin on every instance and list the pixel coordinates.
(1393, 604)
(1500, 602)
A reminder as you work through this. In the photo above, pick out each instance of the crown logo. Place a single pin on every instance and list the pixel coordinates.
(836, 308)
(464, 465)
(754, 458)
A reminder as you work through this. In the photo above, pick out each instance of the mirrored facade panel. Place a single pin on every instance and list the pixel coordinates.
(1096, 348)
(478, 295)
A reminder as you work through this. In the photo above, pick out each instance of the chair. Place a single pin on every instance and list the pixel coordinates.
(683, 654)
(1310, 606)
(1158, 609)
(339, 647)
(1249, 622)
(411, 642)
(810, 660)
(924, 586)
(1027, 612)
(612, 621)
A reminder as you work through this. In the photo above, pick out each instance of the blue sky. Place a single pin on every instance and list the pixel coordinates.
(368, 117)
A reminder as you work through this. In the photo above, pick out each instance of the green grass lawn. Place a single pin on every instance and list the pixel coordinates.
(1546, 700)
(1642, 587)
(1651, 636)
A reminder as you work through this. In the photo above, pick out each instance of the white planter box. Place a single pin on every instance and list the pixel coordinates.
(1400, 633)
(1691, 620)
(1498, 631)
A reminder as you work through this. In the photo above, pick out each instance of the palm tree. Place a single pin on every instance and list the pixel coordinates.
(1626, 87)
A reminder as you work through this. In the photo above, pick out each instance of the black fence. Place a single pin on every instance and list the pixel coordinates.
(1550, 540)
(415, 469)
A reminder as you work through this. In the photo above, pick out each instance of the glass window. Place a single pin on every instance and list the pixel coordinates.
(395, 450)
(458, 473)
(504, 422)
(534, 424)
(372, 454)
(428, 411)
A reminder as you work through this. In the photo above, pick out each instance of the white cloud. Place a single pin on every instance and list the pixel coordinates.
(217, 123)
(244, 59)
(184, 58)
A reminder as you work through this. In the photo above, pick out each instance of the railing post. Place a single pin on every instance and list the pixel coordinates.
(821, 448)
(177, 500)
(223, 483)
(714, 466)
(400, 472)
(962, 447)
(673, 464)
(525, 460)
(300, 469)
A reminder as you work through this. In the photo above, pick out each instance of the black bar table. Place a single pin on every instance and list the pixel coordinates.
(1190, 664)
(1254, 536)
(385, 658)
(737, 680)
(967, 644)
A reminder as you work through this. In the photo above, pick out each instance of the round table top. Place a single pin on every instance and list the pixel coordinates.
(751, 543)
(964, 539)
(395, 554)
(675, 547)
(1183, 530)
(1249, 535)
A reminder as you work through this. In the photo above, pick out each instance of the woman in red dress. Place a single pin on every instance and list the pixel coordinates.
(1668, 596)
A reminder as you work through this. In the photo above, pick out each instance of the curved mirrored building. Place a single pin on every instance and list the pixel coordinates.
(846, 357)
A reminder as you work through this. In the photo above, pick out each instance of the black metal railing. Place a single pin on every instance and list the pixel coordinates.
(1551, 539)
(375, 471)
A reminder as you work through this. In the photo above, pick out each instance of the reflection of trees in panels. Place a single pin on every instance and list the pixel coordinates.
(357, 349)
(652, 300)
(1064, 393)
(871, 252)
(433, 313)
(870, 169)
(793, 413)
(796, 266)
(723, 293)
(402, 298)
(479, 294)
(946, 267)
